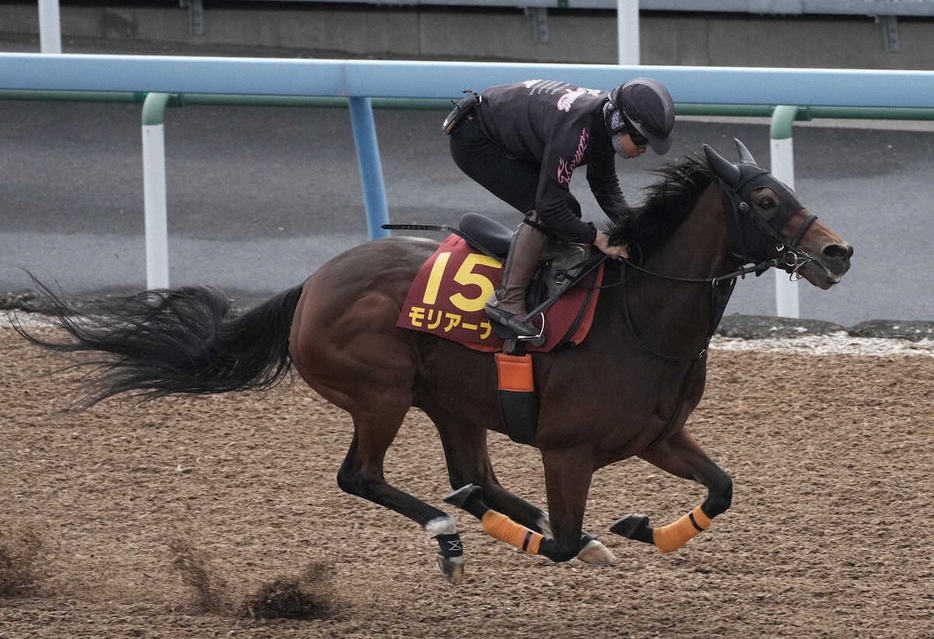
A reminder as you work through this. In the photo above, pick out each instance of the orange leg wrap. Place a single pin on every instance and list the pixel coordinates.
(499, 526)
(675, 535)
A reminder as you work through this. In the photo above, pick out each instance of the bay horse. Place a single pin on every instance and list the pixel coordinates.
(626, 390)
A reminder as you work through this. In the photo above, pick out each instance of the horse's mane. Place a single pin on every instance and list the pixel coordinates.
(666, 204)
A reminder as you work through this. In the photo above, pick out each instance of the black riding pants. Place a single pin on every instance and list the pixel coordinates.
(513, 180)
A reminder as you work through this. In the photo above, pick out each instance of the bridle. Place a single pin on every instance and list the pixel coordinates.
(736, 186)
(737, 182)
(735, 198)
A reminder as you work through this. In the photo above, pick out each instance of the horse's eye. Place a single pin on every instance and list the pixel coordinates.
(767, 207)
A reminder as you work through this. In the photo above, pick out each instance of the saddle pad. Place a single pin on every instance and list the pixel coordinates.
(448, 294)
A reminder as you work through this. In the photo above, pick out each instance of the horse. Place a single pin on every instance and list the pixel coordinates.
(626, 390)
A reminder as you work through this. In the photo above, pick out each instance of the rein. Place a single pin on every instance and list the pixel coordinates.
(721, 286)
(718, 297)
(741, 272)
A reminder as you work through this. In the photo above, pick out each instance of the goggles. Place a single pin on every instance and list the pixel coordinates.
(628, 126)
(637, 138)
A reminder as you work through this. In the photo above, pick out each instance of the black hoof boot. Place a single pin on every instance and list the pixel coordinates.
(634, 527)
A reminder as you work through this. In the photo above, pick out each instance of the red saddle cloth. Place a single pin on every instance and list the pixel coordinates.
(447, 298)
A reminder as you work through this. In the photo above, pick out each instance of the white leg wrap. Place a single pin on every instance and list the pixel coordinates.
(446, 525)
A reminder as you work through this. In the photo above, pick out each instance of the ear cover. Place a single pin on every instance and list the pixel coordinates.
(744, 155)
(723, 168)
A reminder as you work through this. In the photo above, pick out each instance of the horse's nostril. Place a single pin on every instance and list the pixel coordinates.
(837, 251)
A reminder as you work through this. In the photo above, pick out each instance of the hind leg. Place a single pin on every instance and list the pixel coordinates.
(361, 474)
(345, 346)
(681, 456)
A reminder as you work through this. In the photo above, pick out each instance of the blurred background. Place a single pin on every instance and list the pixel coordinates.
(258, 197)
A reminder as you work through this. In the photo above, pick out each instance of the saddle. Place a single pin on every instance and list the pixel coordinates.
(448, 294)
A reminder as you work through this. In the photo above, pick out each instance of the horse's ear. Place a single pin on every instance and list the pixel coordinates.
(723, 168)
(744, 154)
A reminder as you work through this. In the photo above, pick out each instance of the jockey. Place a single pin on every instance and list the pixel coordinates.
(523, 141)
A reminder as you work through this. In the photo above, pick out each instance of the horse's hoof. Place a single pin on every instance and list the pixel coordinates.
(462, 495)
(596, 554)
(634, 527)
(452, 568)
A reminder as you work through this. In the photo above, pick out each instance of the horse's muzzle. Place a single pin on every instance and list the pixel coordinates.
(829, 266)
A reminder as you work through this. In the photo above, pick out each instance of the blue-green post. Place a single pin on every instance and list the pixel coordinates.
(371, 170)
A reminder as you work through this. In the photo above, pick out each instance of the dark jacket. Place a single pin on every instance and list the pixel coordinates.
(560, 127)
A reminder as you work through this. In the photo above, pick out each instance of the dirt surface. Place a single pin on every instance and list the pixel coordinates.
(169, 519)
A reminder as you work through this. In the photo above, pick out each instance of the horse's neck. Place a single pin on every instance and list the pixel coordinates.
(699, 247)
(676, 316)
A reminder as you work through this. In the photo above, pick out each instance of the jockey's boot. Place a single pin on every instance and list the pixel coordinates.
(507, 305)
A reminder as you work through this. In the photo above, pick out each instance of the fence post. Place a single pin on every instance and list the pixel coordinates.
(627, 32)
(783, 169)
(154, 198)
(50, 27)
(371, 170)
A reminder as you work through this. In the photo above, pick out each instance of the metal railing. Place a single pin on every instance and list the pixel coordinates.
(756, 7)
(159, 82)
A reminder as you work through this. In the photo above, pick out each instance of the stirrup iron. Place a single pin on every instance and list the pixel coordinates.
(535, 340)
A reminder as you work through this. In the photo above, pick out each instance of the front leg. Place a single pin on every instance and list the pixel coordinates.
(592, 550)
(681, 456)
(471, 474)
(568, 473)
(567, 481)
(496, 524)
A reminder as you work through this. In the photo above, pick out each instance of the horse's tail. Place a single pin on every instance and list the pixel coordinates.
(184, 340)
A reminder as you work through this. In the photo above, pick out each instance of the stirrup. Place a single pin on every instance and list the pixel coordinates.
(515, 336)
(510, 321)
(535, 340)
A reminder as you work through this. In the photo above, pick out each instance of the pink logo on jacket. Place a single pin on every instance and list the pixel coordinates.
(566, 167)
